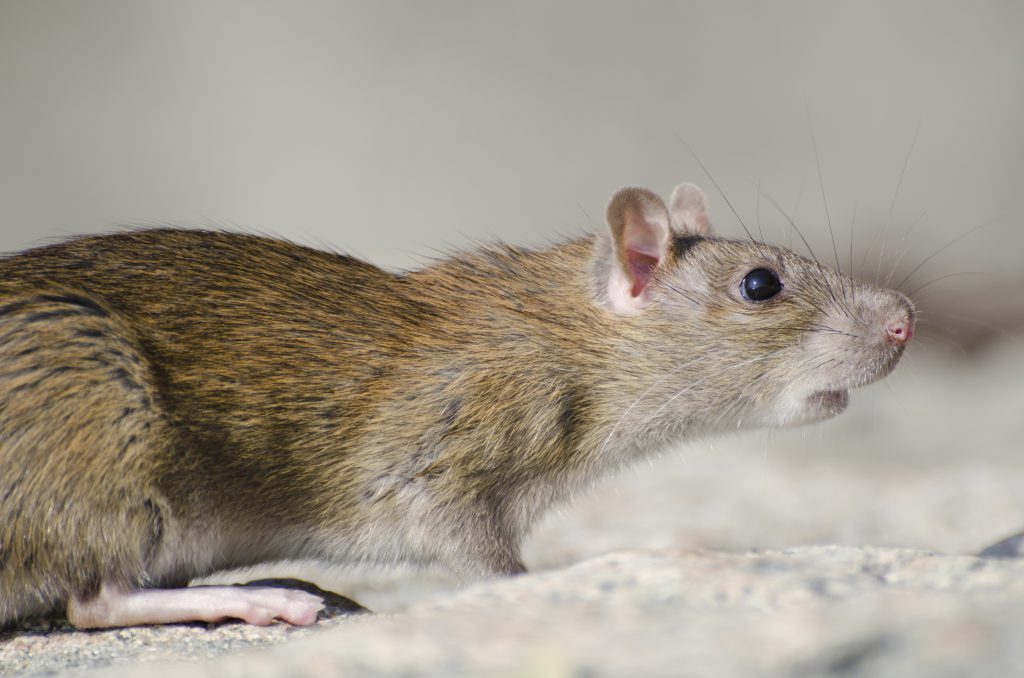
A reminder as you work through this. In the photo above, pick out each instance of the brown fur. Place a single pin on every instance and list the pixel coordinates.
(176, 402)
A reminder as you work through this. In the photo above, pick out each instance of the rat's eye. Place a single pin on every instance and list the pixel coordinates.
(760, 285)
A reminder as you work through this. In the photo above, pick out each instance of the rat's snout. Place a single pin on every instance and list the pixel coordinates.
(886, 319)
(899, 327)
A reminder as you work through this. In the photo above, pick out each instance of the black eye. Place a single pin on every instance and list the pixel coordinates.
(760, 285)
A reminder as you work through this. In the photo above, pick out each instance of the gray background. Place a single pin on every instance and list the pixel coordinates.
(394, 130)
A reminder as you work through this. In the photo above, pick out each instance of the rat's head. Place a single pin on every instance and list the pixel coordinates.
(736, 333)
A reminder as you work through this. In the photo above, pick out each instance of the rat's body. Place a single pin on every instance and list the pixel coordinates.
(177, 402)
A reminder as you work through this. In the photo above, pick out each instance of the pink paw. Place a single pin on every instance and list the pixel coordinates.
(118, 606)
(261, 606)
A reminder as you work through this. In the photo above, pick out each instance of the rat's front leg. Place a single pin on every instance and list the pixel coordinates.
(487, 548)
(117, 605)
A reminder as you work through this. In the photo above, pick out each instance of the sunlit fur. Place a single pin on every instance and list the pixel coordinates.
(762, 362)
(175, 402)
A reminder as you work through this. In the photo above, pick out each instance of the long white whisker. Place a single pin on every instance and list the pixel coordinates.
(641, 397)
(892, 205)
(946, 247)
(960, 274)
(906, 250)
(699, 382)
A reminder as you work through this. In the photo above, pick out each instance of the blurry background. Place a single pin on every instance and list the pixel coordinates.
(392, 130)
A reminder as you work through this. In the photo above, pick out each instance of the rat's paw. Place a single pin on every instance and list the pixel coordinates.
(335, 605)
(261, 606)
(119, 606)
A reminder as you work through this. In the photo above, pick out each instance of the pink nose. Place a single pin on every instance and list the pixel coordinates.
(899, 331)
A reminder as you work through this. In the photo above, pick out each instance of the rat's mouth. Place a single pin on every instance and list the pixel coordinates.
(830, 403)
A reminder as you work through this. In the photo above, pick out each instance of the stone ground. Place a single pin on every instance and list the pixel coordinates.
(847, 548)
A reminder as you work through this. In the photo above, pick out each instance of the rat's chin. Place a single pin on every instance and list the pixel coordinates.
(813, 407)
(827, 404)
(807, 408)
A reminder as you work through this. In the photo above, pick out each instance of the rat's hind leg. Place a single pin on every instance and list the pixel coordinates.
(82, 438)
(84, 446)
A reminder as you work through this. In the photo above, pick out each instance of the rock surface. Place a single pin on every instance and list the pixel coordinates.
(651, 573)
(806, 611)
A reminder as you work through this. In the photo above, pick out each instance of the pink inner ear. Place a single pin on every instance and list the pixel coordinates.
(640, 265)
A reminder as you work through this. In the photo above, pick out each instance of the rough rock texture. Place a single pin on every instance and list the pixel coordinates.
(812, 610)
(651, 573)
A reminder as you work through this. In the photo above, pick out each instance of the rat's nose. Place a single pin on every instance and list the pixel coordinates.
(899, 329)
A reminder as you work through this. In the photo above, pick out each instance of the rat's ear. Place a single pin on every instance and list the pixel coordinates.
(688, 211)
(641, 238)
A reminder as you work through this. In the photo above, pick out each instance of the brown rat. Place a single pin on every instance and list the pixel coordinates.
(177, 402)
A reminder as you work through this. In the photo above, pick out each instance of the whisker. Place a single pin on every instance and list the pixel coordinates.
(735, 405)
(643, 395)
(719, 189)
(936, 337)
(988, 326)
(594, 224)
(932, 319)
(892, 204)
(920, 301)
(697, 383)
(774, 203)
(947, 246)
(757, 209)
(853, 222)
(678, 291)
(823, 363)
(948, 276)
(827, 287)
(903, 172)
(904, 253)
(796, 208)
(824, 198)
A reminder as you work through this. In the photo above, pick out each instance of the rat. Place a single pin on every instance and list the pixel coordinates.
(175, 402)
